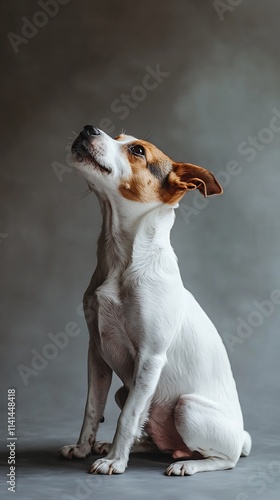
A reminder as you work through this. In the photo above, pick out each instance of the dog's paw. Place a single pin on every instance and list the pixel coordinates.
(183, 468)
(106, 466)
(102, 447)
(75, 451)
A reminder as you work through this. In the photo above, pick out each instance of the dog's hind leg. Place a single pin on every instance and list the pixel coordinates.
(121, 396)
(143, 445)
(204, 427)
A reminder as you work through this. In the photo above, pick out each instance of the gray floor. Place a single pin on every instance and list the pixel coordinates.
(220, 91)
(41, 475)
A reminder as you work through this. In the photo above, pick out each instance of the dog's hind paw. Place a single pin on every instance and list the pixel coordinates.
(102, 447)
(183, 468)
(75, 451)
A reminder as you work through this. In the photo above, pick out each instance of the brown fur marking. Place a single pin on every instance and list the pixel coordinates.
(143, 185)
(169, 183)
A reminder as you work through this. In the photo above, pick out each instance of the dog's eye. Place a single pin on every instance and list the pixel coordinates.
(137, 150)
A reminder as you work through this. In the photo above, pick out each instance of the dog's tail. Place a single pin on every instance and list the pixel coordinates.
(247, 445)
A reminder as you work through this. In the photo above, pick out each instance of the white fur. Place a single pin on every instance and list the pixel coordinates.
(147, 328)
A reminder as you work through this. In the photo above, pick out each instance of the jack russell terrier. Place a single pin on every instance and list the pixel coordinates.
(179, 395)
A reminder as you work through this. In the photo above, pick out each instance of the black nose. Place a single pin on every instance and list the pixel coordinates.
(91, 130)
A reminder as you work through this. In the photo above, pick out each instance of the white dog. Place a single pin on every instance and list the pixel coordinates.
(179, 395)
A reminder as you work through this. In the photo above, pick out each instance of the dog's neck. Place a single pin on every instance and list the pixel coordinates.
(132, 231)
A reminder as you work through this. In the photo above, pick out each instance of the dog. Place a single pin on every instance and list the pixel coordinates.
(179, 395)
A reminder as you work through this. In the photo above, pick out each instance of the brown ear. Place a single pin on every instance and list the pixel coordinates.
(185, 177)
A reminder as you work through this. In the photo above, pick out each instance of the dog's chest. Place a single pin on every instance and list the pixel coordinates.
(116, 345)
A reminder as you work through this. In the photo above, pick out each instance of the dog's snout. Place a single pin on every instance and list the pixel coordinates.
(91, 130)
(81, 145)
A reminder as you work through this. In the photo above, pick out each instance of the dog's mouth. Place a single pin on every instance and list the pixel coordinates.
(83, 152)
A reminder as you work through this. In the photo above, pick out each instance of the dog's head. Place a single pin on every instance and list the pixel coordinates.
(136, 170)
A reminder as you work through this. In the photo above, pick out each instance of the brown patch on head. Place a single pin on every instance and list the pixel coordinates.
(155, 177)
(187, 177)
(118, 137)
(149, 172)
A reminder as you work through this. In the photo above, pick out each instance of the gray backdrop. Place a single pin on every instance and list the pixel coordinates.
(220, 86)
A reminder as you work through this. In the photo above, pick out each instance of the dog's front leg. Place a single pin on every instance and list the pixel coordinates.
(99, 381)
(146, 377)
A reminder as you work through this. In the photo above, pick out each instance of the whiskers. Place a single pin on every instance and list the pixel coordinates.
(147, 136)
(73, 138)
(85, 193)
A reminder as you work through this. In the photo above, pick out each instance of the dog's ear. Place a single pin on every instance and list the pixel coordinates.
(187, 177)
